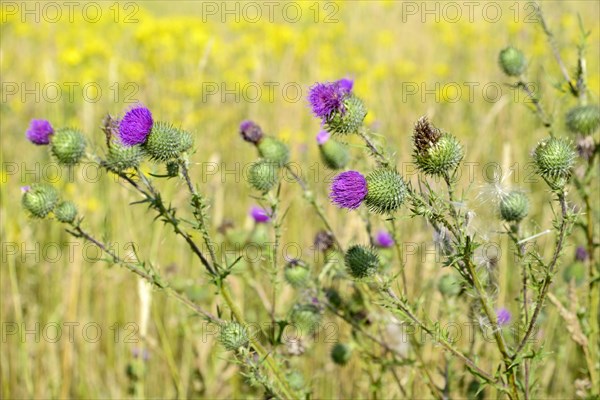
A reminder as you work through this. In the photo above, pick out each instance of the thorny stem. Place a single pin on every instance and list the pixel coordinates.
(400, 254)
(364, 134)
(562, 233)
(546, 121)
(78, 232)
(444, 343)
(198, 204)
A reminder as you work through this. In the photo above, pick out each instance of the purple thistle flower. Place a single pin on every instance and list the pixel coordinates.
(504, 316)
(25, 189)
(259, 215)
(135, 126)
(327, 98)
(39, 131)
(250, 131)
(322, 137)
(348, 189)
(581, 254)
(384, 239)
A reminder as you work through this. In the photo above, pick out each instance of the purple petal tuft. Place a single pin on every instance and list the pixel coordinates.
(348, 189)
(504, 316)
(135, 126)
(322, 137)
(39, 131)
(327, 98)
(384, 239)
(259, 215)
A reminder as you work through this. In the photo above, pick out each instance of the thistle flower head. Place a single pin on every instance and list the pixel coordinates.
(386, 191)
(166, 142)
(383, 239)
(66, 212)
(273, 150)
(504, 316)
(250, 131)
(361, 262)
(514, 206)
(39, 131)
(554, 159)
(341, 353)
(512, 61)
(435, 153)
(259, 215)
(262, 175)
(135, 126)
(328, 97)
(233, 336)
(68, 146)
(348, 189)
(39, 199)
(583, 119)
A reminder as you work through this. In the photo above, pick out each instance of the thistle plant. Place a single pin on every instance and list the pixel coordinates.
(359, 283)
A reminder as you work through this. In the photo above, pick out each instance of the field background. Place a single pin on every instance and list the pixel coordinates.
(164, 56)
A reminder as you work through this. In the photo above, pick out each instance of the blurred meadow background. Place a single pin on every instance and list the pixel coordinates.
(207, 72)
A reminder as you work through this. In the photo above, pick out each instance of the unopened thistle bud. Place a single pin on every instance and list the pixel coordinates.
(262, 175)
(251, 132)
(68, 146)
(121, 157)
(39, 199)
(361, 262)
(512, 61)
(341, 353)
(435, 153)
(334, 154)
(273, 150)
(339, 109)
(66, 212)
(296, 274)
(233, 336)
(39, 131)
(583, 119)
(166, 143)
(306, 317)
(554, 159)
(383, 190)
(514, 206)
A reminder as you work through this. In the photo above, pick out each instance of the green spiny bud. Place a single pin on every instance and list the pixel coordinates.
(361, 261)
(554, 158)
(166, 143)
(233, 336)
(583, 119)
(341, 353)
(273, 150)
(435, 153)
(348, 121)
(262, 175)
(512, 61)
(66, 212)
(386, 191)
(514, 206)
(449, 285)
(334, 154)
(306, 317)
(39, 199)
(68, 146)
(296, 274)
(121, 158)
